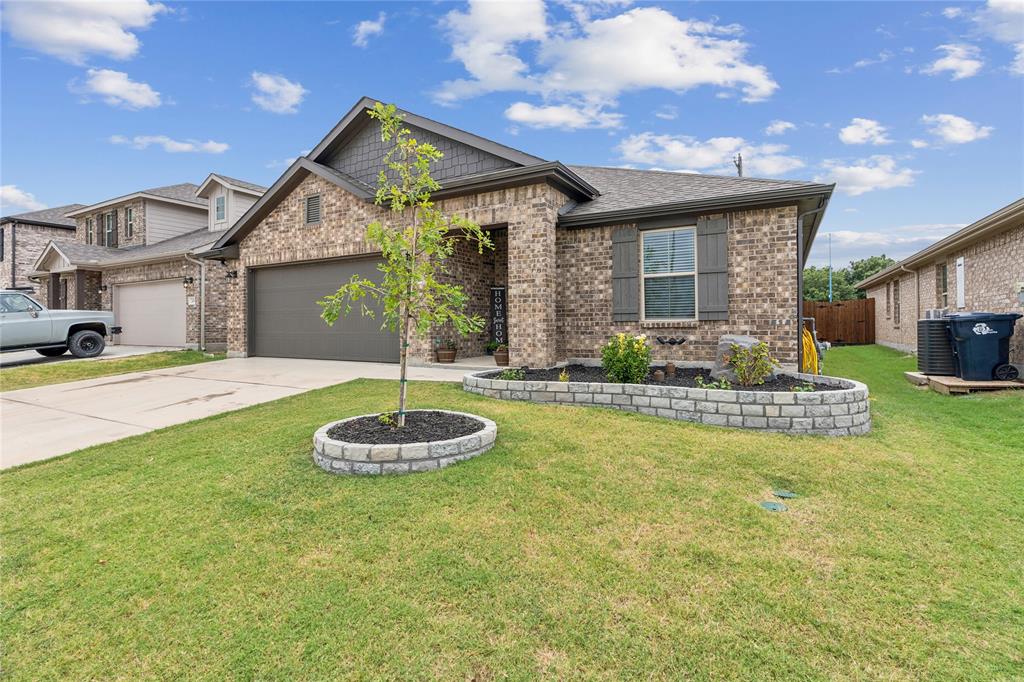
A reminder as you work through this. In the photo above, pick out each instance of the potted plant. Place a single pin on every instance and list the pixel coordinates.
(446, 351)
(501, 355)
(491, 347)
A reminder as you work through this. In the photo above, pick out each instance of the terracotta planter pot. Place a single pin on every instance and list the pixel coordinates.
(446, 354)
(501, 357)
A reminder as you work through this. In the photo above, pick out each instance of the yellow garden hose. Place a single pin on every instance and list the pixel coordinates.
(810, 353)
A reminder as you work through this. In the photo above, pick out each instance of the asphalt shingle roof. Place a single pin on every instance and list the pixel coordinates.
(185, 191)
(242, 183)
(91, 254)
(47, 215)
(628, 188)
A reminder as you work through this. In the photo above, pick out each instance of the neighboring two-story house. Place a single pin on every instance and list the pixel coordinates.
(24, 235)
(134, 255)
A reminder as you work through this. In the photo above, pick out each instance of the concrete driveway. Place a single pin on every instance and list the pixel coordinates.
(30, 357)
(47, 421)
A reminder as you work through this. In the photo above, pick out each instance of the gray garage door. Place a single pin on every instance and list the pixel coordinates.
(286, 319)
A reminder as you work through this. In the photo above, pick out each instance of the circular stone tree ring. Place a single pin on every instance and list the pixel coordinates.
(342, 457)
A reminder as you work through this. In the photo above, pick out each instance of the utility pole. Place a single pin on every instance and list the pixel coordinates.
(829, 267)
(738, 162)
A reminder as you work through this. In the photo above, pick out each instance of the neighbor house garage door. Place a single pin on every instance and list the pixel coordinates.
(151, 313)
(286, 319)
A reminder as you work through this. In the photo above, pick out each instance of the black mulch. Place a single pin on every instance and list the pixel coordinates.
(686, 377)
(420, 427)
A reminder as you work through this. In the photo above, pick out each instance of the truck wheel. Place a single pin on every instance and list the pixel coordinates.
(52, 352)
(86, 344)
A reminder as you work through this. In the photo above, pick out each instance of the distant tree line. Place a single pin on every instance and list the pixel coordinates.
(843, 279)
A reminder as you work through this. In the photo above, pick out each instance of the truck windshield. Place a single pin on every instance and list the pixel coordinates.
(17, 303)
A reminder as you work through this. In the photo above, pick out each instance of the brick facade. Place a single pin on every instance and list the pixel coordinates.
(993, 269)
(26, 242)
(138, 237)
(558, 280)
(762, 291)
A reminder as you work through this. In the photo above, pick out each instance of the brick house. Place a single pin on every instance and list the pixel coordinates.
(134, 255)
(23, 236)
(581, 252)
(979, 268)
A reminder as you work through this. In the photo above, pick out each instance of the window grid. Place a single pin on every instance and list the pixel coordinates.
(220, 208)
(89, 227)
(129, 222)
(669, 273)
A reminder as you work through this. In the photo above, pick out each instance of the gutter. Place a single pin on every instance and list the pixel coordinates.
(202, 299)
(693, 206)
(800, 282)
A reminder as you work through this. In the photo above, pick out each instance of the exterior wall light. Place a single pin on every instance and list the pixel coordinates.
(188, 280)
(232, 274)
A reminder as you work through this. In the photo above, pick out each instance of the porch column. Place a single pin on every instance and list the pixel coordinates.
(532, 280)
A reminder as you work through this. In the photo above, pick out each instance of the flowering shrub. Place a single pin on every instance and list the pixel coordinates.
(751, 365)
(626, 359)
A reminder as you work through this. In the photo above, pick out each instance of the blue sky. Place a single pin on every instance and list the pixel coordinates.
(915, 109)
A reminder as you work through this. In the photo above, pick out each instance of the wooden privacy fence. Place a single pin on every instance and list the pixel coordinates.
(843, 322)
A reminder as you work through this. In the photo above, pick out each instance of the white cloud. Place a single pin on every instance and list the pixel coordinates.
(867, 175)
(952, 12)
(594, 60)
(366, 29)
(286, 162)
(73, 30)
(961, 60)
(918, 144)
(778, 127)
(883, 56)
(955, 129)
(276, 93)
(1003, 21)
(563, 116)
(15, 200)
(667, 112)
(171, 145)
(117, 89)
(864, 131)
(896, 242)
(687, 153)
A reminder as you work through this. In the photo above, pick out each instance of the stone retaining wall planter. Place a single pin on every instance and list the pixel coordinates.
(842, 412)
(341, 457)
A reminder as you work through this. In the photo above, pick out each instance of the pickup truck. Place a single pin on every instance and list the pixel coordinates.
(27, 325)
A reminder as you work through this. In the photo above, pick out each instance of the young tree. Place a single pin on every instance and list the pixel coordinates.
(415, 241)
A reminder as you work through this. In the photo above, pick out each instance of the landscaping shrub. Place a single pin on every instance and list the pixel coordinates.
(626, 360)
(751, 365)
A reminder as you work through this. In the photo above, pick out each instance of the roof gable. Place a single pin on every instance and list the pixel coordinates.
(354, 147)
(230, 183)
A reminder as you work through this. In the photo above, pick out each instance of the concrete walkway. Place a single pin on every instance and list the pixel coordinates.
(47, 421)
(30, 357)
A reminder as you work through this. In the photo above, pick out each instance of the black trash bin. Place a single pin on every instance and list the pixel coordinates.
(981, 342)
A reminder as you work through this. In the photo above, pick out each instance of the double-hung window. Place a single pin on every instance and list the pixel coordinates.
(89, 227)
(108, 229)
(220, 208)
(668, 260)
(129, 223)
(943, 286)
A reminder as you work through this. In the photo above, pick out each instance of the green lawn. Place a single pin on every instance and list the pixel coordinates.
(27, 376)
(587, 544)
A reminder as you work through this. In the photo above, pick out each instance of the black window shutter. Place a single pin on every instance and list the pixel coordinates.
(625, 275)
(713, 269)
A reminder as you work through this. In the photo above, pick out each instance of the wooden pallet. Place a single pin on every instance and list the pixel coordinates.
(956, 385)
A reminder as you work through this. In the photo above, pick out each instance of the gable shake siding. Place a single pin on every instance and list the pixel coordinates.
(361, 156)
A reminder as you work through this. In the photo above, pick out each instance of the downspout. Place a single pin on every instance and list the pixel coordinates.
(917, 292)
(800, 283)
(14, 255)
(202, 299)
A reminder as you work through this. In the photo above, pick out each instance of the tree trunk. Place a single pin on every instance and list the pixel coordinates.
(403, 355)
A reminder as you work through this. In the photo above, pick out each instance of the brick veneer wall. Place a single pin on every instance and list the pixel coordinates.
(30, 241)
(138, 233)
(992, 269)
(530, 213)
(762, 291)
